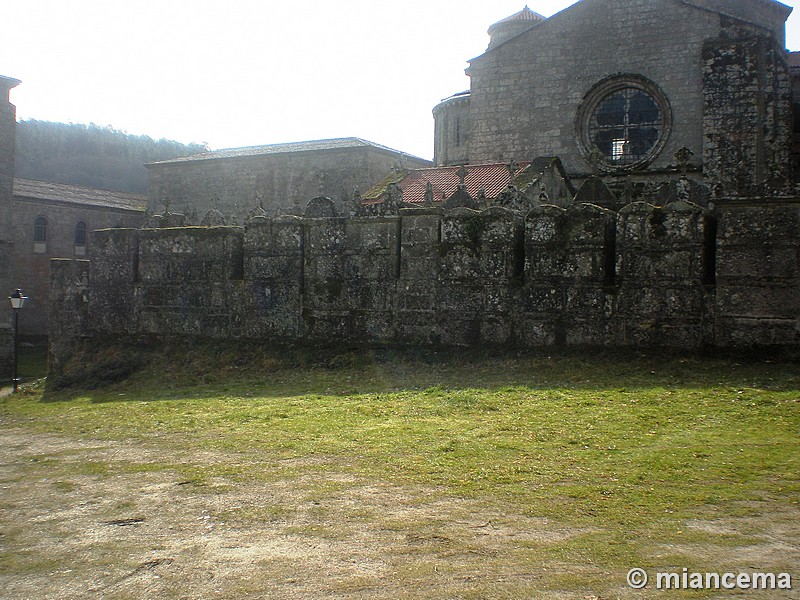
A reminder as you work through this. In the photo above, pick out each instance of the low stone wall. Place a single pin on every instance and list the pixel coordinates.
(677, 276)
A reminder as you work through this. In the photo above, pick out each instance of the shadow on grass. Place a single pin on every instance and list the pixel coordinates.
(31, 361)
(121, 370)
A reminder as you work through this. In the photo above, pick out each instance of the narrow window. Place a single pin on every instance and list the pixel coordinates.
(458, 131)
(40, 235)
(80, 238)
(40, 230)
(80, 234)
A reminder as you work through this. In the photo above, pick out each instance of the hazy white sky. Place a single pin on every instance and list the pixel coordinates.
(248, 72)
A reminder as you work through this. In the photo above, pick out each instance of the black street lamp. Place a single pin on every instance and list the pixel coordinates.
(17, 302)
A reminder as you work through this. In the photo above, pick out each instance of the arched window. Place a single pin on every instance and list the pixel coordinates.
(40, 230)
(80, 234)
(80, 238)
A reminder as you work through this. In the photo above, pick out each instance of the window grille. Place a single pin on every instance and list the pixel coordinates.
(626, 125)
(623, 123)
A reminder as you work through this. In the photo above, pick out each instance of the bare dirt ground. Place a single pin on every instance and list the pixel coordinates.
(73, 525)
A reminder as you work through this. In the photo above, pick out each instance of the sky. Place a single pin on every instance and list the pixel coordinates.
(233, 73)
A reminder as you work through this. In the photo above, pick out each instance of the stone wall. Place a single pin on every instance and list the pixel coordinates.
(677, 276)
(31, 264)
(68, 320)
(758, 298)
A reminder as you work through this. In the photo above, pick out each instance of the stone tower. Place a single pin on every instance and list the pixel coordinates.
(451, 130)
(8, 126)
(452, 123)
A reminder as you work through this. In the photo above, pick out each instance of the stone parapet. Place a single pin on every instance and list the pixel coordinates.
(678, 275)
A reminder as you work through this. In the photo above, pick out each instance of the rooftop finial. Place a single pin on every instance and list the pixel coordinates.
(462, 174)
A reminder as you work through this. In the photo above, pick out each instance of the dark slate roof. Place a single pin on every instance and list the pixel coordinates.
(309, 146)
(454, 100)
(75, 194)
(8, 82)
(458, 95)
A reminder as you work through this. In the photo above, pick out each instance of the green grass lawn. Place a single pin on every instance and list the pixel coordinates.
(650, 460)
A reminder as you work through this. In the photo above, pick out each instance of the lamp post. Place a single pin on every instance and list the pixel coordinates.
(17, 302)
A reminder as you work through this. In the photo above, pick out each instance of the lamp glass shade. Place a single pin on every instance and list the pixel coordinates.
(17, 300)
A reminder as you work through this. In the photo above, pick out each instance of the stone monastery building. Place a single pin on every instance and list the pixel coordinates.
(620, 86)
(621, 173)
(633, 91)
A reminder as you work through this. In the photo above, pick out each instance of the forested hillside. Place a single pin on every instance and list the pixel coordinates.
(91, 155)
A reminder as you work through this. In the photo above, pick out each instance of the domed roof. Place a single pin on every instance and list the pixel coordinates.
(524, 17)
(513, 26)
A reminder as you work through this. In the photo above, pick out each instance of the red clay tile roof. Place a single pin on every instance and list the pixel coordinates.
(491, 178)
(793, 59)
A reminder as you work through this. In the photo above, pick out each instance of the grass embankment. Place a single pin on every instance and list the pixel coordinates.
(653, 461)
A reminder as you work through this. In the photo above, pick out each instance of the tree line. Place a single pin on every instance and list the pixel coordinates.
(91, 155)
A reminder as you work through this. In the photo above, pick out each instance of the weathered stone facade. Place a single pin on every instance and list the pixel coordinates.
(747, 117)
